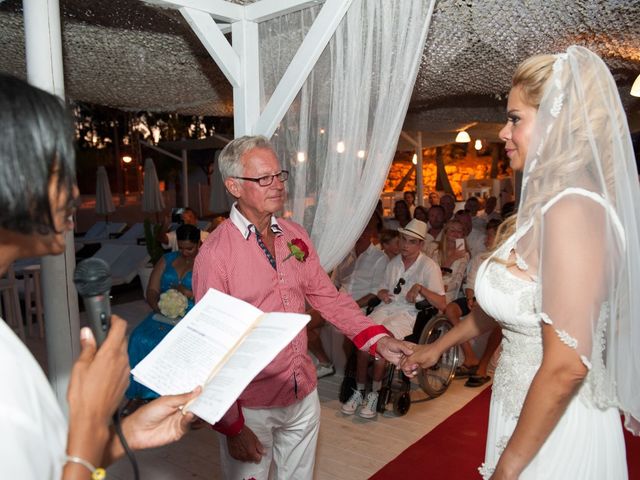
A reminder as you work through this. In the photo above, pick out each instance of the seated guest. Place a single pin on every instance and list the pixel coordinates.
(390, 243)
(436, 216)
(359, 276)
(408, 278)
(490, 212)
(448, 202)
(420, 213)
(410, 199)
(401, 216)
(453, 257)
(173, 271)
(474, 235)
(472, 205)
(168, 239)
(507, 210)
(434, 199)
(461, 307)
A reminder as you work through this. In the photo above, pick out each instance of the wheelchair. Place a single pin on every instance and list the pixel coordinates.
(434, 381)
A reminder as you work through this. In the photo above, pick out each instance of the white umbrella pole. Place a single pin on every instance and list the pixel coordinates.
(44, 70)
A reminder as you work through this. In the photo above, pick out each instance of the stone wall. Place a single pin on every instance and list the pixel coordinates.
(459, 165)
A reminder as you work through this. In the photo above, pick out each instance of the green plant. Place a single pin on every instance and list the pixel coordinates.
(151, 232)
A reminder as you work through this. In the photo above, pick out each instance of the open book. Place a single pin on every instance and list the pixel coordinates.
(221, 344)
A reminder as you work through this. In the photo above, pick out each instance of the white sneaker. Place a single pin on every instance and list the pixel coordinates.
(351, 405)
(370, 404)
(325, 370)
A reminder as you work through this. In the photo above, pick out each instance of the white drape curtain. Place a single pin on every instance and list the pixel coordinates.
(340, 134)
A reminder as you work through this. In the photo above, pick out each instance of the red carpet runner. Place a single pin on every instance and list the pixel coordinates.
(455, 449)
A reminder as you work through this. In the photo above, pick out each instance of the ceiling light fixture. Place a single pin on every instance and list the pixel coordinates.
(463, 137)
(635, 88)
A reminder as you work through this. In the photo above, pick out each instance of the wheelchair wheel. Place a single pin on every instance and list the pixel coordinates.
(384, 395)
(402, 403)
(436, 379)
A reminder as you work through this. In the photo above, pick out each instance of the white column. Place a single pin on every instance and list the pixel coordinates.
(185, 180)
(419, 179)
(44, 70)
(246, 98)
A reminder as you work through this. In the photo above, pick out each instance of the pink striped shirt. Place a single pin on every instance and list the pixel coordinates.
(231, 261)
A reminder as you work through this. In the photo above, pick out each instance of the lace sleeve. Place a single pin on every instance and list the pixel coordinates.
(577, 266)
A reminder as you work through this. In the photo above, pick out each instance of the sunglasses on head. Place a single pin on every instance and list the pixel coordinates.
(398, 288)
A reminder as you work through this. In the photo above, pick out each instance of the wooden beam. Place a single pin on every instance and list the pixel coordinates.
(409, 139)
(161, 150)
(215, 42)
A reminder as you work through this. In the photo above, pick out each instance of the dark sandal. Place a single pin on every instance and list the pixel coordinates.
(465, 372)
(477, 380)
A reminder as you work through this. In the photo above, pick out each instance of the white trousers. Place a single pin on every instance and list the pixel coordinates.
(289, 436)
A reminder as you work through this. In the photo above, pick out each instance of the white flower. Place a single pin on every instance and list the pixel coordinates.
(557, 105)
(172, 303)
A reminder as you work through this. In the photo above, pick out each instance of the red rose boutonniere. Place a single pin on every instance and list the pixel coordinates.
(298, 249)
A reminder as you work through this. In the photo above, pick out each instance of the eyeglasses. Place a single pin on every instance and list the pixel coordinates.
(398, 288)
(282, 175)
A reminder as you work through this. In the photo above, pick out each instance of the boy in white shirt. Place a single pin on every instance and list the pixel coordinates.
(409, 277)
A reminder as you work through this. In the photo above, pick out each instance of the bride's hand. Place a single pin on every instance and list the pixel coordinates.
(423, 356)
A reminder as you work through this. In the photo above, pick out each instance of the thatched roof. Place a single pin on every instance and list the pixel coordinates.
(134, 56)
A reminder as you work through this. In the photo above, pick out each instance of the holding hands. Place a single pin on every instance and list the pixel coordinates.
(423, 356)
(394, 350)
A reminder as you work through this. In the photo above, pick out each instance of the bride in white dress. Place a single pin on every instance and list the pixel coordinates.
(564, 283)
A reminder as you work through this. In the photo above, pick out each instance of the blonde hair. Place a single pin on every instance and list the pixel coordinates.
(531, 76)
(443, 245)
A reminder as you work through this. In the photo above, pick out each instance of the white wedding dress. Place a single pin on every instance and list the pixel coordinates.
(587, 442)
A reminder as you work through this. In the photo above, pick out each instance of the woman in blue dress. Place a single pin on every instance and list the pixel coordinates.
(173, 270)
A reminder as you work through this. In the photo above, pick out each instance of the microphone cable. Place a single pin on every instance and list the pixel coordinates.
(127, 450)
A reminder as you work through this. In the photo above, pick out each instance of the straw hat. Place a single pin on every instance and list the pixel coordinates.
(416, 229)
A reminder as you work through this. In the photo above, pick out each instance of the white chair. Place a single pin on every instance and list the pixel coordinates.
(123, 260)
(132, 235)
(11, 311)
(102, 231)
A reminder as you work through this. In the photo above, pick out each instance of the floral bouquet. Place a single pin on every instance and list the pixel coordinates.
(172, 303)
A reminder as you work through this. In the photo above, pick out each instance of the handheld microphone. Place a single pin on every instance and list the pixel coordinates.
(93, 282)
